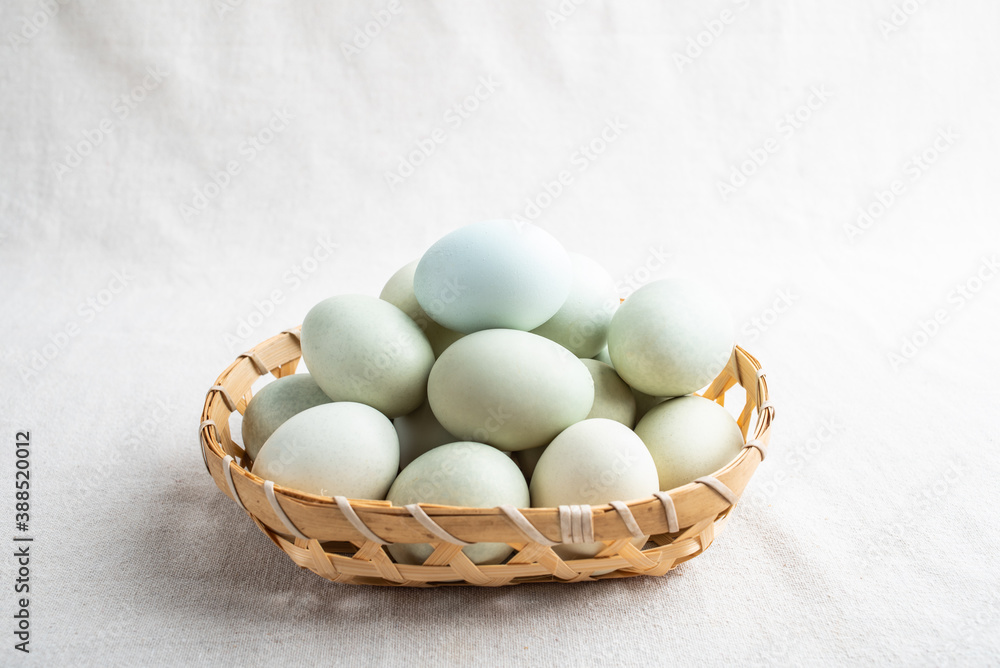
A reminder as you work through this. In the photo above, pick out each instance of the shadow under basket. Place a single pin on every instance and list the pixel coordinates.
(343, 539)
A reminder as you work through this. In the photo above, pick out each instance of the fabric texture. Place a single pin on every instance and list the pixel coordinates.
(183, 180)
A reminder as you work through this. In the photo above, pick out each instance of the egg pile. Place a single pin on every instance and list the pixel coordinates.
(500, 369)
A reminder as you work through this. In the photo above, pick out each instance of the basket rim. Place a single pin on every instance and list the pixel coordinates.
(280, 354)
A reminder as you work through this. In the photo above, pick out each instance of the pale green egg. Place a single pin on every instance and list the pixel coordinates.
(419, 432)
(338, 449)
(603, 356)
(689, 437)
(398, 291)
(593, 462)
(274, 404)
(493, 274)
(581, 324)
(364, 349)
(511, 389)
(612, 397)
(459, 474)
(643, 402)
(671, 337)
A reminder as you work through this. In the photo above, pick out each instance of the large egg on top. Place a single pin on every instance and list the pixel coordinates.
(510, 389)
(363, 349)
(493, 274)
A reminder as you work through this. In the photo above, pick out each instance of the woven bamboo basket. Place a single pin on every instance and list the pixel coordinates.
(342, 539)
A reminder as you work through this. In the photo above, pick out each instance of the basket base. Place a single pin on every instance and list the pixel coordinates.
(352, 563)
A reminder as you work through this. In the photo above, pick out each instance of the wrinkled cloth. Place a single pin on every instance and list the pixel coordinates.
(183, 180)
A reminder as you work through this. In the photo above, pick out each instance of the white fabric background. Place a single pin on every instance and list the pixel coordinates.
(869, 540)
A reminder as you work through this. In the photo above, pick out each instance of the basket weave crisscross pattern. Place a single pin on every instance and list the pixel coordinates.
(343, 539)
